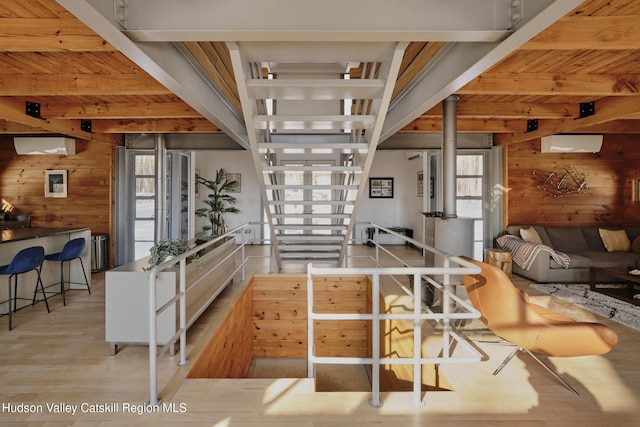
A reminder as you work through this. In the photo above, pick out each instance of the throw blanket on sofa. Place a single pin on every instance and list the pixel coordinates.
(524, 253)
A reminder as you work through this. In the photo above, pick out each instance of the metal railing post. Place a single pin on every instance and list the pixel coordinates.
(417, 339)
(375, 340)
(183, 313)
(375, 240)
(446, 309)
(310, 349)
(242, 276)
(153, 327)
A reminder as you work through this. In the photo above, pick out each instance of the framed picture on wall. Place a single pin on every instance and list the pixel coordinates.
(55, 183)
(381, 188)
(237, 182)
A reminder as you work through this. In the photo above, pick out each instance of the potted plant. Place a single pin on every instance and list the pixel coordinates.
(167, 249)
(218, 202)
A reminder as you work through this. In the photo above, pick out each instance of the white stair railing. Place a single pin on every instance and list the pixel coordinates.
(449, 337)
(180, 299)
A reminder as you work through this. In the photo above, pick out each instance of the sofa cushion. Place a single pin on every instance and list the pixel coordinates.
(615, 240)
(632, 232)
(592, 236)
(575, 261)
(635, 245)
(530, 235)
(612, 259)
(567, 239)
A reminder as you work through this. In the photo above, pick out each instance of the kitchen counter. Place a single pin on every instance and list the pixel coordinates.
(35, 232)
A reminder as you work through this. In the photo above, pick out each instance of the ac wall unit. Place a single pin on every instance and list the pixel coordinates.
(571, 144)
(412, 155)
(53, 145)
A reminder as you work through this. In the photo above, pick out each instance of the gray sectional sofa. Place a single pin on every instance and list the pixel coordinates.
(585, 249)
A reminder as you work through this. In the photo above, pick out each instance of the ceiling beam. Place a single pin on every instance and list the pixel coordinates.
(589, 33)
(329, 20)
(434, 124)
(509, 110)
(154, 126)
(157, 110)
(552, 84)
(459, 63)
(606, 110)
(49, 35)
(165, 63)
(14, 111)
(79, 84)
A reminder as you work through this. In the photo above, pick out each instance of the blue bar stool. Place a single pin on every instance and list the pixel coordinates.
(73, 249)
(24, 261)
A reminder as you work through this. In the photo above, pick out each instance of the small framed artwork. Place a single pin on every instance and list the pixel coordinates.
(237, 185)
(380, 188)
(55, 183)
(420, 184)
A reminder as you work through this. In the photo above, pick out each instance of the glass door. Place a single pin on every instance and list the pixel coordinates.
(136, 202)
(312, 186)
(144, 203)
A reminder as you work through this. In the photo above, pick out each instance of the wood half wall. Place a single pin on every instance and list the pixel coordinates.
(607, 202)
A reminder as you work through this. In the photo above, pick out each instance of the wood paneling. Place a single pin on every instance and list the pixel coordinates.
(90, 182)
(280, 316)
(270, 320)
(228, 354)
(608, 201)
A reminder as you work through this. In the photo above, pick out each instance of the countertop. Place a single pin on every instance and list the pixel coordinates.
(33, 233)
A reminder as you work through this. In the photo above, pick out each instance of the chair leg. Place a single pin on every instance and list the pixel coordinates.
(85, 275)
(503, 364)
(44, 295)
(10, 311)
(552, 372)
(64, 299)
(537, 359)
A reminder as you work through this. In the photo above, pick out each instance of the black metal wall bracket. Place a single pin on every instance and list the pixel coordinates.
(32, 109)
(85, 125)
(587, 109)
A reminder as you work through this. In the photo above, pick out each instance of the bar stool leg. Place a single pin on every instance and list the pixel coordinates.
(64, 299)
(85, 275)
(44, 295)
(15, 293)
(10, 312)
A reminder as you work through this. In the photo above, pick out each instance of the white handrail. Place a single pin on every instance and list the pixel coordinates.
(180, 297)
(418, 315)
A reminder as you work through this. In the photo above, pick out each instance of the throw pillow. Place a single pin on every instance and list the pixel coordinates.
(615, 240)
(530, 235)
(635, 245)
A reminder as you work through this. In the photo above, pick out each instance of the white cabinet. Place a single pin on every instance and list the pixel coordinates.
(127, 295)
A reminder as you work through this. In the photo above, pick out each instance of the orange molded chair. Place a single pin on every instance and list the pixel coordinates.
(508, 313)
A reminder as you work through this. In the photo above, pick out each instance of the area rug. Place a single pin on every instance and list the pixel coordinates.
(619, 311)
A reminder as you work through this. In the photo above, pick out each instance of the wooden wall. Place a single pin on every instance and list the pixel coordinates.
(90, 186)
(269, 320)
(280, 316)
(608, 201)
(229, 352)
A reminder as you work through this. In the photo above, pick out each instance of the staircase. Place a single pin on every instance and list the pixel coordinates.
(314, 113)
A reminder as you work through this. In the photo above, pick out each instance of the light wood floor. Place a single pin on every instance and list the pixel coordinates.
(61, 358)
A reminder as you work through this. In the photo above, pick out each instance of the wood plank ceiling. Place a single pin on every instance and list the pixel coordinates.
(49, 57)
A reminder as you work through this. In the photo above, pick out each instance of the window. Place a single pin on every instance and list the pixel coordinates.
(144, 216)
(469, 196)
